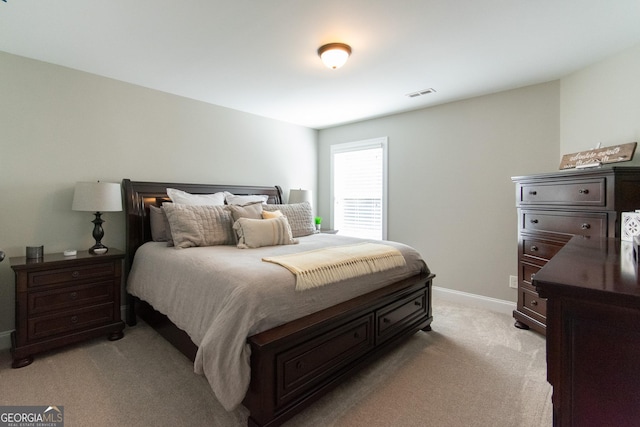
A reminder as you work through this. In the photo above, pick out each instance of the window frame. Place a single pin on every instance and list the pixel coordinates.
(380, 142)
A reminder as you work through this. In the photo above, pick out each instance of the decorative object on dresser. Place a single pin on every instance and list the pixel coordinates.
(97, 197)
(62, 300)
(593, 341)
(554, 207)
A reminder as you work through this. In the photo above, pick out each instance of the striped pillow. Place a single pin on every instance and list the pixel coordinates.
(255, 233)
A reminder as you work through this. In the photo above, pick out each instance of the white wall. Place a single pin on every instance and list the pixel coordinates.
(450, 189)
(59, 126)
(601, 103)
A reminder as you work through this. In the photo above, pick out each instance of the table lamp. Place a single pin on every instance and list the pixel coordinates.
(97, 197)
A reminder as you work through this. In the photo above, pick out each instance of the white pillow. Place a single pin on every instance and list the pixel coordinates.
(184, 198)
(232, 199)
(255, 233)
(199, 225)
(300, 216)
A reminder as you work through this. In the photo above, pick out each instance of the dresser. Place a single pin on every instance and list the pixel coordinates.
(62, 300)
(592, 288)
(554, 207)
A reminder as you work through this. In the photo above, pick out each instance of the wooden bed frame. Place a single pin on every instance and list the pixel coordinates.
(294, 364)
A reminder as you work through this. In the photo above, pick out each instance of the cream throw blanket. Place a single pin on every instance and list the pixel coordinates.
(327, 265)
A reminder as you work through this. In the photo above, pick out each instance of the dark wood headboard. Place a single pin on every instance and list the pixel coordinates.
(138, 196)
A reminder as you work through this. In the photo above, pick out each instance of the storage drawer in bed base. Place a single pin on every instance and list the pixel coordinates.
(348, 335)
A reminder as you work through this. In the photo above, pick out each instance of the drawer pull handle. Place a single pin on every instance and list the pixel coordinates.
(534, 248)
(533, 192)
(73, 295)
(586, 226)
(74, 319)
(356, 335)
(534, 221)
(534, 302)
(386, 320)
(299, 365)
(75, 274)
(418, 303)
(583, 191)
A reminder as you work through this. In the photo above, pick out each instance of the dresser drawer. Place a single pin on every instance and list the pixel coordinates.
(51, 325)
(527, 271)
(590, 192)
(532, 305)
(539, 249)
(73, 296)
(569, 223)
(395, 316)
(303, 367)
(65, 275)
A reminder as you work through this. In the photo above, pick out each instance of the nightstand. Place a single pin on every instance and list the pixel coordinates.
(62, 300)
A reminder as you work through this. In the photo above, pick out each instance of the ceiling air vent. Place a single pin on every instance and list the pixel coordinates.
(421, 93)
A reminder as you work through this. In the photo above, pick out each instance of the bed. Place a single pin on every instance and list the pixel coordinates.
(281, 360)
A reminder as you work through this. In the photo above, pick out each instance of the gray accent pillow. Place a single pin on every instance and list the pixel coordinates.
(249, 211)
(255, 233)
(300, 216)
(204, 225)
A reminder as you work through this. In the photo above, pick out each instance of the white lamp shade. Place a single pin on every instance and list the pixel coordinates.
(97, 197)
(300, 196)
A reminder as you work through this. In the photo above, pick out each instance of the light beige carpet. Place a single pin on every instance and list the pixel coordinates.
(473, 369)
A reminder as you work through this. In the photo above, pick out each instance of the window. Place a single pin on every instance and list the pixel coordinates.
(359, 188)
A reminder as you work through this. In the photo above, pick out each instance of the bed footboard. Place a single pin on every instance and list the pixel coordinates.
(295, 364)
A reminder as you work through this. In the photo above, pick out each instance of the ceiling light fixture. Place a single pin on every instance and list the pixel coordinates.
(334, 55)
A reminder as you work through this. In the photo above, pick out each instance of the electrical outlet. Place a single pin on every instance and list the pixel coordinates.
(513, 282)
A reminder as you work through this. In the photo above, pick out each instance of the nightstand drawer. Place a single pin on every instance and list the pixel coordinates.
(571, 193)
(74, 296)
(65, 275)
(569, 223)
(55, 324)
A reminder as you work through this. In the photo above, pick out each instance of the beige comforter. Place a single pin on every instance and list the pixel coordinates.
(220, 295)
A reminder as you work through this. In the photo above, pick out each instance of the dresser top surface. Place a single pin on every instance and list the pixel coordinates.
(592, 265)
(581, 173)
(58, 259)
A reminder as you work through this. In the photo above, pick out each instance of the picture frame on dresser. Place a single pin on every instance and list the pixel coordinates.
(554, 207)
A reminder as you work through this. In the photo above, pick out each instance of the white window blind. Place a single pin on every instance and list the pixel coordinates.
(359, 188)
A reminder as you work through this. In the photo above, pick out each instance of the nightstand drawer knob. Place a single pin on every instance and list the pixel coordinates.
(74, 319)
(586, 226)
(534, 221)
(534, 302)
(534, 248)
(386, 320)
(533, 192)
(356, 335)
(73, 295)
(417, 303)
(583, 191)
(75, 274)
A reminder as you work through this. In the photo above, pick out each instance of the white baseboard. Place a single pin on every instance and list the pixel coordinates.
(5, 336)
(474, 300)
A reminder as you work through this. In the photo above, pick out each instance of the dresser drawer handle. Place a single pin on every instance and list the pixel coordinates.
(386, 320)
(356, 335)
(534, 248)
(533, 192)
(534, 302)
(73, 295)
(299, 365)
(585, 226)
(417, 303)
(534, 221)
(583, 191)
(74, 319)
(75, 274)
